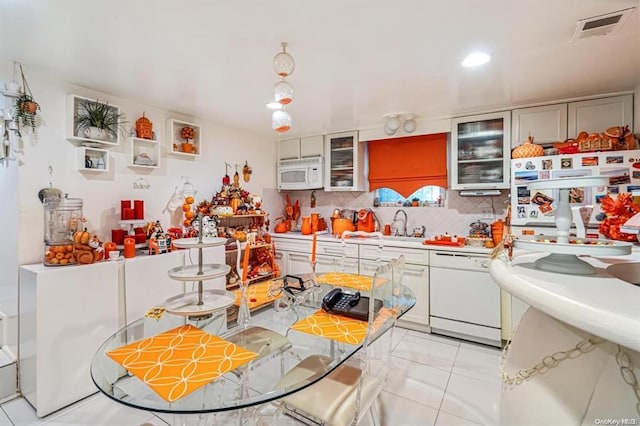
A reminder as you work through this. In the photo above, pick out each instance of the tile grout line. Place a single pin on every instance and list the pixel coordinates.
(7, 415)
(447, 385)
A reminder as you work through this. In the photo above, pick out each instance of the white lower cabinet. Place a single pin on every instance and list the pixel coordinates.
(416, 278)
(65, 314)
(300, 263)
(293, 256)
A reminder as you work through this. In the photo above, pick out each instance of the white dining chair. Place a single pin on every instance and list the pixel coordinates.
(346, 394)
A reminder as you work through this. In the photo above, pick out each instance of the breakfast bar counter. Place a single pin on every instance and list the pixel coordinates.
(576, 350)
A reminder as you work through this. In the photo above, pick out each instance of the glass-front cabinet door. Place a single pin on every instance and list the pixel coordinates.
(480, 151)
(344, 162)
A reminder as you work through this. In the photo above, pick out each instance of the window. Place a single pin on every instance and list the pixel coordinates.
(427, 196)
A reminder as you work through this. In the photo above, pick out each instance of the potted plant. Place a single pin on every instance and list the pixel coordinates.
(26, 109)
(26, 106)
(97, 120)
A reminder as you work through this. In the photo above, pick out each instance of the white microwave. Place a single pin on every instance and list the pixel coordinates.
(303, 173)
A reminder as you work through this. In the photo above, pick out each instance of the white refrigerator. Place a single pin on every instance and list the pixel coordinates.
(533, 211)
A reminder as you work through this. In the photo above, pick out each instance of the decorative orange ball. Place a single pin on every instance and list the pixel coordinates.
(189, 200)
(186, 207)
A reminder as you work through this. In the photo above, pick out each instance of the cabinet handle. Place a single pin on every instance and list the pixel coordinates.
(414, 271)
(332, 251)
(278, 255)
(298, 256)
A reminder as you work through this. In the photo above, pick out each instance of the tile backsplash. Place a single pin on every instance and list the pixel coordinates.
(455, 217)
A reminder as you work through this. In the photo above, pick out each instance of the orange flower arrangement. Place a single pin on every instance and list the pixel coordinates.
(618, 211)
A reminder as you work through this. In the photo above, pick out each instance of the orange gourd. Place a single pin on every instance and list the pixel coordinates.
(235, 203)
(528, 149)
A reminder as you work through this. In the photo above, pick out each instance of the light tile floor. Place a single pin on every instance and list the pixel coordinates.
(437, 381)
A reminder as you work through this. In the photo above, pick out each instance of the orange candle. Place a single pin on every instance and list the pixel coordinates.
(245, 263)
(313, 248)
(129, 247)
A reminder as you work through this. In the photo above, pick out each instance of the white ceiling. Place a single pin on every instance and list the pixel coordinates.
(356, 60)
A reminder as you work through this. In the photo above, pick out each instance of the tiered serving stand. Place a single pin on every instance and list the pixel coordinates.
(563, 257)
(201, 304)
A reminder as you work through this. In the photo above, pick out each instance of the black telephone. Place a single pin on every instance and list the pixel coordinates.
(349, 304)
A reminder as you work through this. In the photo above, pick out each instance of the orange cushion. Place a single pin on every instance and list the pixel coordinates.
(257, 294)
(340, 279)
(180, 361)
(339, 328)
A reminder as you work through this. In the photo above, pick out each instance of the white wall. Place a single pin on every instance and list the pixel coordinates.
(636, 110)
(101, 193)
(22, 213)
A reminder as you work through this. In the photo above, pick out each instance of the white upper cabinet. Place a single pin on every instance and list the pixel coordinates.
(344, 163)
(309, 146)
(481, 151)
(596, 115)
(312, 146)
(547, 124)
(289, 149)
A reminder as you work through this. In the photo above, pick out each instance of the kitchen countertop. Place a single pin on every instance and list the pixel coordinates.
(600, 304)
(405, 242)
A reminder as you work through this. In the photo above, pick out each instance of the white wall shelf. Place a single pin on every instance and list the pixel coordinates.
(176, 141)
(93, 159)
(78, 136)
(144, 153)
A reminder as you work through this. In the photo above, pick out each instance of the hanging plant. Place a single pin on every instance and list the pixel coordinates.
(26, 105)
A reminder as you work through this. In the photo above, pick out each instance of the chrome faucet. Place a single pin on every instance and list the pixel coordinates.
(404, 223)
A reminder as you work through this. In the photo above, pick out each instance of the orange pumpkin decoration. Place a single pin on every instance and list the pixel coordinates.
(81, 237)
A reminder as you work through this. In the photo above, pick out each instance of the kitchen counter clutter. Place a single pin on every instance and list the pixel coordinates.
(390, 241)
(586, 331)
(447, 300)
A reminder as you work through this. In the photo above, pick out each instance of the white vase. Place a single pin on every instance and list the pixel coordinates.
(95, 133)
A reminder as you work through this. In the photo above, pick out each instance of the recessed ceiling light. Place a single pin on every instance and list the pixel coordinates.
(476, 59)
(274, 105)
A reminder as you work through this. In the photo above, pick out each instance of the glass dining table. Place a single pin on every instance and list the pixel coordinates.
(231, 383)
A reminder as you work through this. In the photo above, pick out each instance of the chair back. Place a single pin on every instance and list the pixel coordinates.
(346, 234)
(378, 343)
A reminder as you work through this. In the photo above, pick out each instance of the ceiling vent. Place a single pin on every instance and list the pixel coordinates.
(602, 24)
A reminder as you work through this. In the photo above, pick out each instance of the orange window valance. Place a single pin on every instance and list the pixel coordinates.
(407, 164)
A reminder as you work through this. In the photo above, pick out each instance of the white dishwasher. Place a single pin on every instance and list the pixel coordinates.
(464, 300)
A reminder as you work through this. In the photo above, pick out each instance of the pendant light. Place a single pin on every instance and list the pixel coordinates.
(283, 92)
(283, 62)
(283, 65)
(281, 121)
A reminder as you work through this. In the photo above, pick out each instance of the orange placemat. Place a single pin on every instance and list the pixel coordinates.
(339, 328)
(179, 361)
(341, 279)
(257, 294)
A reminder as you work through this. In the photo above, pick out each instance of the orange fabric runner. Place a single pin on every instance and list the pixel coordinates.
(257, 294)
(340, 279)
(180, 361)
(339, 328)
